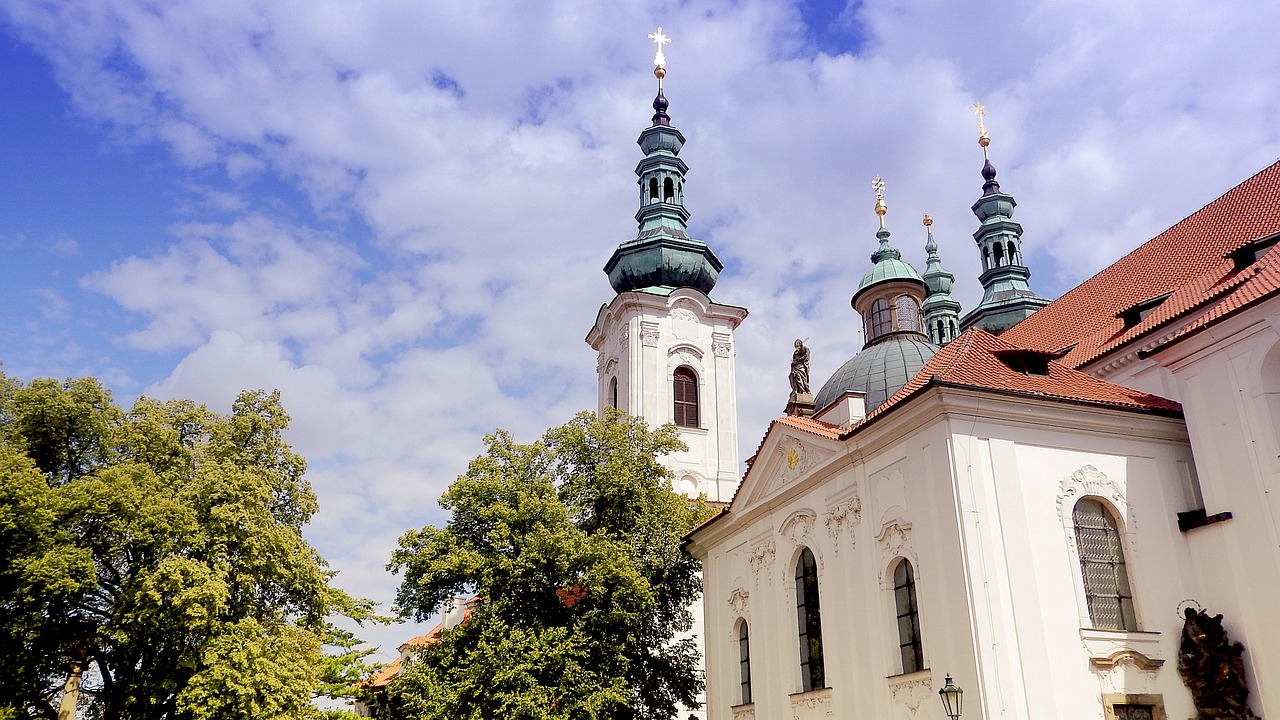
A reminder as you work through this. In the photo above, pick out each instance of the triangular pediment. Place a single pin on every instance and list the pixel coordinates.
(787, 456)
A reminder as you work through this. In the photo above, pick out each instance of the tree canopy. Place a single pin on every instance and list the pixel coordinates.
(157, 555)
(573, 545)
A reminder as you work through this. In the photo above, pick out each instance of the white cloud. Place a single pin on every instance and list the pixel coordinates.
(489, 152)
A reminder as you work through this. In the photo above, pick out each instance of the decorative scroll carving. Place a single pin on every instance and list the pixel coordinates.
(684, 313)
(910, 692)
(744, 712)
(721, 344)
(1212, 668)
(799, 527)
(738, 601)
(1089, 480)
(813, 705)
(624, 336)
(648, 334)
(843, 515)
(798, 459)
(895, 541)
(762, 556)
(611, 366)
(687, 353)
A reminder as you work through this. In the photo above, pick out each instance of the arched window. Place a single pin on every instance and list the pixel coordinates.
(653, 190)
(1106, 582)
(809, 618)
(908, 312)
(1013, 253)
(998, 254)
(684, 387)
(908, 612)
(668, 190)
(613, 391)
(744, 661)
(881, 318)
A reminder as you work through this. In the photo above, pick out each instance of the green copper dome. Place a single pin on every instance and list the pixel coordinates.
(662, 255)
(879, 371)
(886, 266)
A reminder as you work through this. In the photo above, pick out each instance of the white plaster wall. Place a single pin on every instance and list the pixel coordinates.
(973, 502)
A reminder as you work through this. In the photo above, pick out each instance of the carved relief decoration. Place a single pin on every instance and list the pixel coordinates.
(738, 601)
(895, 541)
(799, 527)
(623, 336)
(762, 556)
(842, 514)
(687, 353)
(910, 692)
(813, 705)
(684, 313)
(796, 460)
(721, 345)
(648, 333)
(1089, 480)
(611, 366)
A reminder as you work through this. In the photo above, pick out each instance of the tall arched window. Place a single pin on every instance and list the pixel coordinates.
(1106, 582)
(881, 318)
(684, 387)
(613, 391)
(744, 661)
(653, 190)
(908, 612)
(809, 618)
(668, 190)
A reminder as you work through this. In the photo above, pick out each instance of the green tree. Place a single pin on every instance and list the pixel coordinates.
(155, 558)
(574, 545)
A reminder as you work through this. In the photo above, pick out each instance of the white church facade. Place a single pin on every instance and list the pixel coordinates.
(1052, 517)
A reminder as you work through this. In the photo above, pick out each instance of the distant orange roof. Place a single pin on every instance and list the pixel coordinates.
(384, 676)
(1190, 262)
(980, 360)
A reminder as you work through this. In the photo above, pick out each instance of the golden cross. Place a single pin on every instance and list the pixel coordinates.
(981, 111)
(659, 39)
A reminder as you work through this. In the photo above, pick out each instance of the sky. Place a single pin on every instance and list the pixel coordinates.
(397, 212)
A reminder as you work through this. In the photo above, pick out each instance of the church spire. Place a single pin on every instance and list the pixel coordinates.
(941, 311)
(1006, 297)
(663, 255)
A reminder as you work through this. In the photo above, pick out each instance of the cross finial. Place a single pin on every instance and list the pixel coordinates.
(659, 39)
(881, 208)
(981, 111)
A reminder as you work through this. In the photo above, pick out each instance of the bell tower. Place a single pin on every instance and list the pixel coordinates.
(664, 346)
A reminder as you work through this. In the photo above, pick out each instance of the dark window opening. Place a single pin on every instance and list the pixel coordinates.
(668, 190)
(809, 618)
(613, 391)
(1252, 252)
(653, 190)
(1140, 310)
(744, 661)
(685, 391)
(904, 598)
(998, 254)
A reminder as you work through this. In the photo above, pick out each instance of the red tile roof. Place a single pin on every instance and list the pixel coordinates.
(973, 360)
(1189, 260)
(384, 676)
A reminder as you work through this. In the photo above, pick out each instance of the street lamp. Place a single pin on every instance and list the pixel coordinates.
(951, 697)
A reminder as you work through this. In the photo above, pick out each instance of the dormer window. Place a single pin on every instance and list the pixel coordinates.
(1139, 311)
(1252, 252)
(1029, 362)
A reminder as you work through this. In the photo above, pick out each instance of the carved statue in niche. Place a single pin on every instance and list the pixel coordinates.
(1211, 667)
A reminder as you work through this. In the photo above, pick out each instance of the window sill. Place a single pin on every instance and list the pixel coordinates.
(694, 430)
(745, 711)
(905, 677)
(820, 695)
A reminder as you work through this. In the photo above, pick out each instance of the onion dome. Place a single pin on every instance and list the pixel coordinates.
(662, 255)
(879, 371)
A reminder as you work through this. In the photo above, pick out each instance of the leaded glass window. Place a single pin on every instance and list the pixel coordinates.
(908, 613)
(809, 618)
(744, 660)
(1106, 581)
(908, 313)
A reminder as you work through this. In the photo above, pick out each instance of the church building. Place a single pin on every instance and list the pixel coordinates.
(1069, 510)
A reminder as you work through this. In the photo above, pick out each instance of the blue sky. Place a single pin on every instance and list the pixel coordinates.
(397, 212)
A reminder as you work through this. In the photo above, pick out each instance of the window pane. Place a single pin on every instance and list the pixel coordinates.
(809, 620)
(908, 313)
(1102, 566)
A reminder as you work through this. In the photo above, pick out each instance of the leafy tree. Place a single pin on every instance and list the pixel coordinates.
(574, 545)
(154, 558)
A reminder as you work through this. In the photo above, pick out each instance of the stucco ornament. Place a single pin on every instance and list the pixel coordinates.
(1089, 480)
(813, 705)
(842, 514)
(684, 313)
(649, 334)
(720, 345)
(796, 459)
(895, 542)
(738, 601)
(798, 527)
(910, 693)
(762, 556)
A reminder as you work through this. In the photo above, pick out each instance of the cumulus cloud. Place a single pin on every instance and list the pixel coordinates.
(483, 155)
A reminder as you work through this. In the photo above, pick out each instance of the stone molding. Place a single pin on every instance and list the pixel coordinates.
(895, 542)
(812, 705)
(721, 344)
(648, 333)
(762, 554)
(909, 692)
(843, 512)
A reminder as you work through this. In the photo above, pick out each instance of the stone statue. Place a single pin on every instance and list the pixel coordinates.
(800, 370)
(1211, 666)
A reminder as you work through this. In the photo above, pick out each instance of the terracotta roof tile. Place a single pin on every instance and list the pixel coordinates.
(1189, 260)
(971, 360)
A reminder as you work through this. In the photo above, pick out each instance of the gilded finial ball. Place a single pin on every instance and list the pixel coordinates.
(881, 209)
(659, 72)
(984, 141)
(927, 220)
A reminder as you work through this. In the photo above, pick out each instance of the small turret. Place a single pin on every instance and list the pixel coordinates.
(941, 311)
